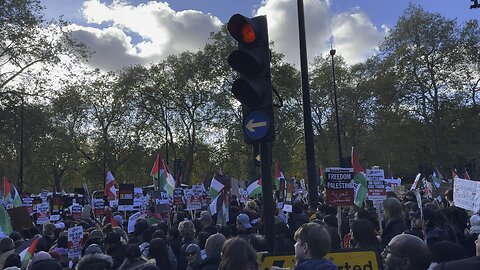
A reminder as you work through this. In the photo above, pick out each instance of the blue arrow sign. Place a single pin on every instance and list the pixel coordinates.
(256, 125)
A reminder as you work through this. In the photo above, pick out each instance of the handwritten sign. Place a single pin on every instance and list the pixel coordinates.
(466, 194)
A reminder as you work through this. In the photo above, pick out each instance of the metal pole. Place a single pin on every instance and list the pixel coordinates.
(339, 141)
(307, 111)
(268, 207)
(20, 167)
(166, 132)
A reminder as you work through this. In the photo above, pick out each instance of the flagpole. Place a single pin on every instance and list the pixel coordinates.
(158, 171)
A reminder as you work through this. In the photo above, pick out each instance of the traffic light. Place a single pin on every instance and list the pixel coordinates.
(253, 88)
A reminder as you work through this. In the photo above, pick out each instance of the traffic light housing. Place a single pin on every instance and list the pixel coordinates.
(253, 88)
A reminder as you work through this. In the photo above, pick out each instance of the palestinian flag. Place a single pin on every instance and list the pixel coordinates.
(11, 198)
(360, 179)
(27, 249)
(437, 178)
(217, 184)
(321, 179)
(220, 207)
(162, 178)
(5, 224)
(254, 188)
(279, 180)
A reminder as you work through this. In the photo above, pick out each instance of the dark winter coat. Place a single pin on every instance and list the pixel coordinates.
(393, 228)
(315, 264)
(211, 262)
(97, 261)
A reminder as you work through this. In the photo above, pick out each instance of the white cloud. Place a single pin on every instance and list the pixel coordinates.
(354, 36)
(122, 34)
(141, 34)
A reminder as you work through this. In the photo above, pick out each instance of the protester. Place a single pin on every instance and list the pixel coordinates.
(193, 256)
(463, 264)
(238, 254)
(159, 252)
(364, 235)
(7, 247)
(213, 247)
(394, 220)
(406, 252)
(133, 258)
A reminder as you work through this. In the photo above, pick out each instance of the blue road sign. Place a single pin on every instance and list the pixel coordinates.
(256, 125)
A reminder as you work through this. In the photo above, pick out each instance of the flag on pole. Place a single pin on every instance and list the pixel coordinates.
(162, 179)
(437, 177)
(360, 179)
(110, 190)
(321, 179)
(390, 173)
(217, 184)
(415, 182)
(454, 173)
(86, 193)
(11, 198)
(279, 181)
(254, 188)
(27, 249)
(466, 175)
(5, 223)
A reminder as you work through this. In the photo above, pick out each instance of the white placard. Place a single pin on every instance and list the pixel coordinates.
(466, 194)
(75, 242)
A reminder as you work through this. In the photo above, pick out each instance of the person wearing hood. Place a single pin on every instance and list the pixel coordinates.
(213, 248)
(7, 247)
(133, 258)
(95, 260)
(115, 248)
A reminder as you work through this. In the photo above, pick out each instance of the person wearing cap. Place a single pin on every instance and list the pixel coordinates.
(244, 228)
(406, 252)
(7, 247)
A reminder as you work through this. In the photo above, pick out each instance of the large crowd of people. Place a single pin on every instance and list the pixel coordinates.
(409, 235)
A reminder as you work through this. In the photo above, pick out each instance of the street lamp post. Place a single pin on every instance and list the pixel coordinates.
(340, 159)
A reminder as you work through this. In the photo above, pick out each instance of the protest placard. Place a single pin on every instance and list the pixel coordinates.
(43, 213)
(125, 197)
(178, 197)
(20, 218)
(161, 201)
(132, 220)
(75, 242)
(376, 184)
(98, 207)
(466, 194)
(339, 186)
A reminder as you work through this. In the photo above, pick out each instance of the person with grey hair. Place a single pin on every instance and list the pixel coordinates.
(213, 248)
(187, 231)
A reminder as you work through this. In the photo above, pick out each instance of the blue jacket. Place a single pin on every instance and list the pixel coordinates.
(315, 264)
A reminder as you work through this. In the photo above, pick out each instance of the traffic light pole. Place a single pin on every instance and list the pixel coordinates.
(268, 207)
(307, 111)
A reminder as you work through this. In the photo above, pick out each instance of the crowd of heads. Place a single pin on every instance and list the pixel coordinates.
(408, 235)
